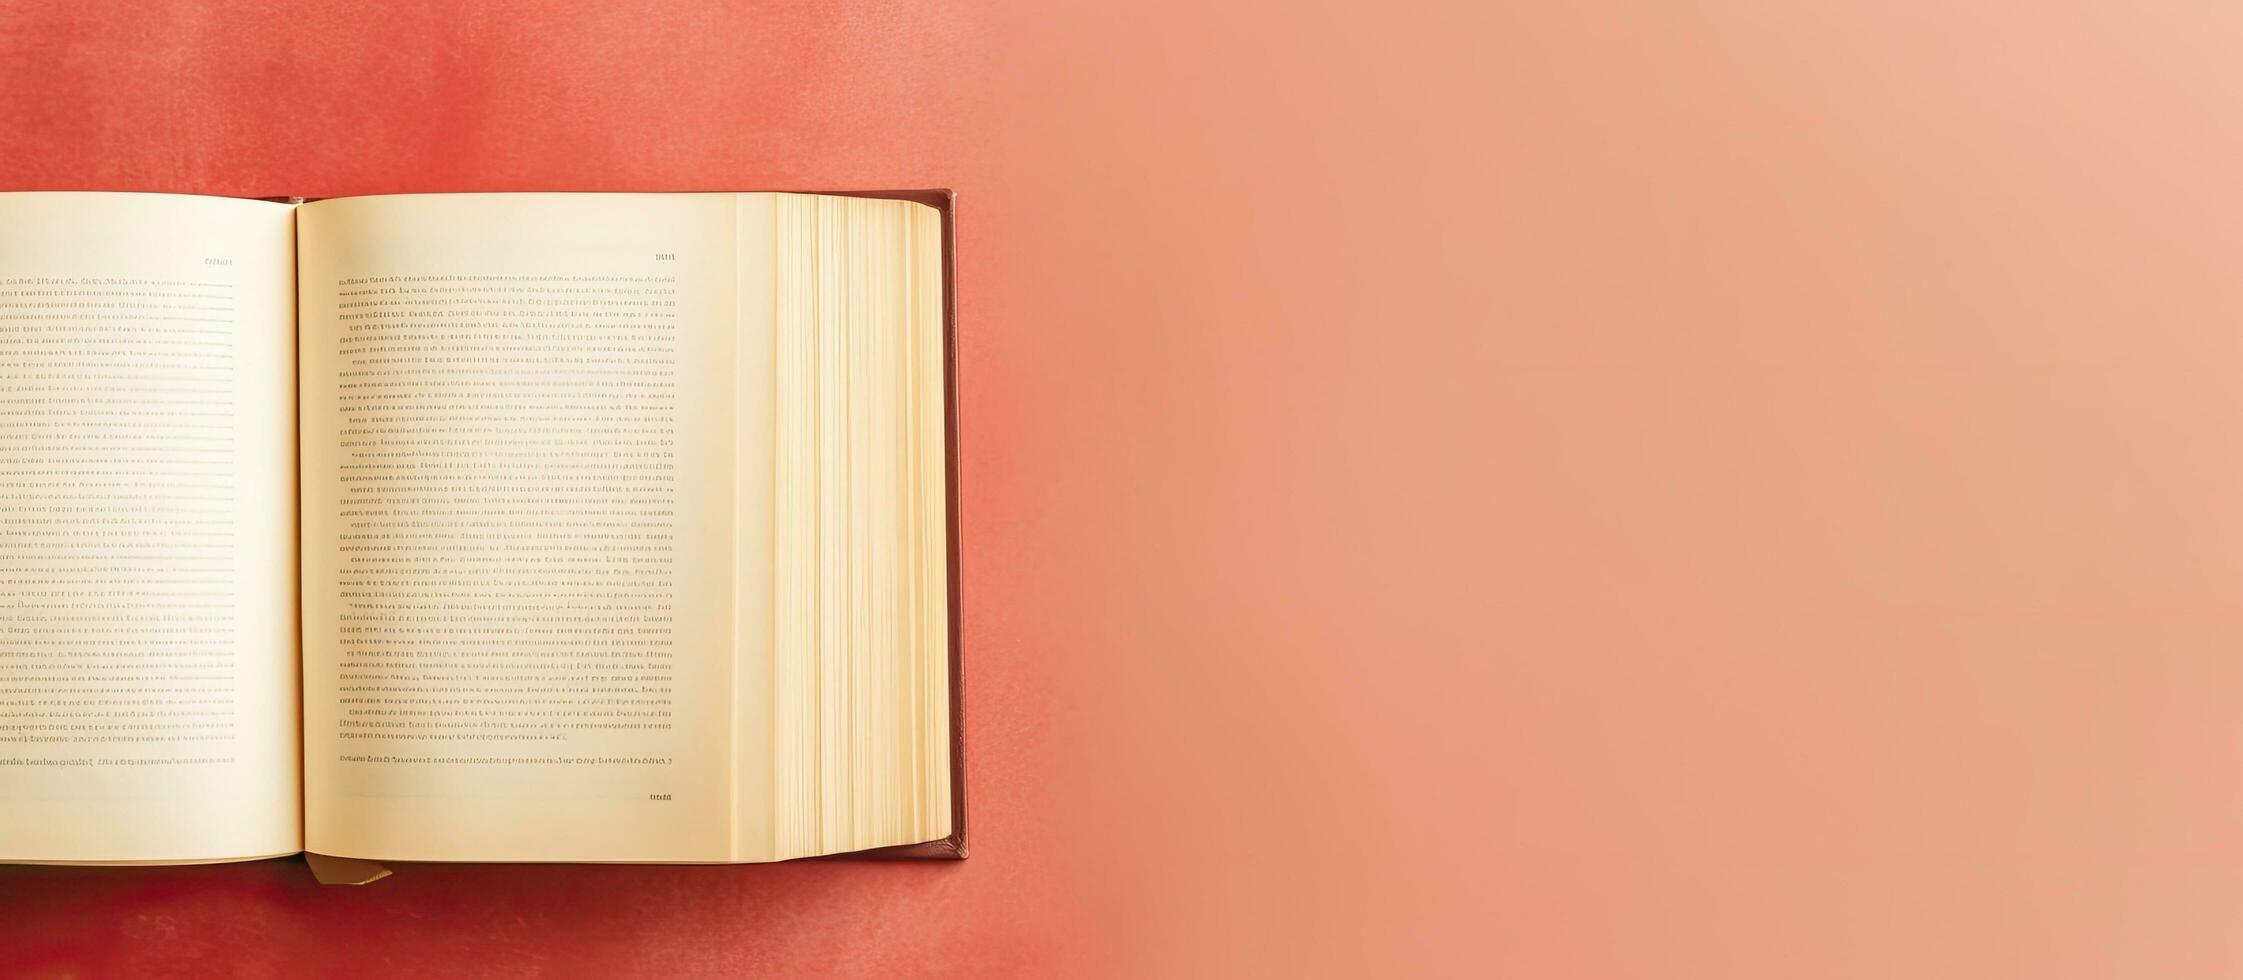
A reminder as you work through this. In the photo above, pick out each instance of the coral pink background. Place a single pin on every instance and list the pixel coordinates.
(1561, 489)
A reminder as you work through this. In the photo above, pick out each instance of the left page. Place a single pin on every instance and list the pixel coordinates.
(148, 642)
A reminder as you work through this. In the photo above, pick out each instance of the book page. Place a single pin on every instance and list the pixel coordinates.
(519, 488)
(148, 662)
(859, 587)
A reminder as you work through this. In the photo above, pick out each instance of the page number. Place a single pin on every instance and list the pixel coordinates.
(665, 256)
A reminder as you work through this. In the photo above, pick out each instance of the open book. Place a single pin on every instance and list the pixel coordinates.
(476, 527)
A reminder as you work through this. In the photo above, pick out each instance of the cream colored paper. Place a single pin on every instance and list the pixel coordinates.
(520, 369)
(623, 524)
(148, 661)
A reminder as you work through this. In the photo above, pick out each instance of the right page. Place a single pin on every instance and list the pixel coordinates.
(518, 543)
(624, 527)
